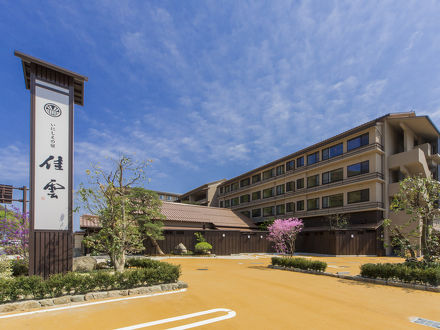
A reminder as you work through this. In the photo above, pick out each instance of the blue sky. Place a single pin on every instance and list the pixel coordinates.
(210, 89)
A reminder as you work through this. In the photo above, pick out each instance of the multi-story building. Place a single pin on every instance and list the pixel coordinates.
(166, 196)
(353, 174)
(205, 195)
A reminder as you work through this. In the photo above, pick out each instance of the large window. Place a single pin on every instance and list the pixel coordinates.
(290, 207)
(234, 186)
(300, 162)
(312, 204)
(333, 176)
(359, 168)
(290, 186)
(280, 209)
(221, 190)
(245, 198)
(280, 170)
(268, 211)
(256, 195)
(332, 151)
(227, 188)
(268, 192)
(313, 158)
(227, 203)
(333, 201)
(246, 213)
(256, 178)
(245, 182)
(280, 189)
(358, 196)
(358, 141)
(300, 183)
(313, 181)
(290, 165)
(221, 203)
(234, 201)
(268, 174)
(300, 205)
(256, 213)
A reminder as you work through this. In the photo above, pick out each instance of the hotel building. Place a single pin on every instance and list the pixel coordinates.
(354, 173)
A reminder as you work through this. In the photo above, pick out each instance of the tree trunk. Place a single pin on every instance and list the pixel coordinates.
(119, 263)
(156, 246)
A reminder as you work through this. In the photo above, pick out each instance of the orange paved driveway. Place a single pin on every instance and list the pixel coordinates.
(262, 298)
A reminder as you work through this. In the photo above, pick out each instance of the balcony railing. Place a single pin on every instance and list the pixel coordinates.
(372, 146)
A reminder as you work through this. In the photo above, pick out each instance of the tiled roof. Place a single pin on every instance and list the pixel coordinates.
(219, 217)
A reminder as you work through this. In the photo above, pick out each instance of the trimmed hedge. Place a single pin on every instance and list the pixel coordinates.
(300, 263)
(75, 283)
(202, 248)
(403, 272)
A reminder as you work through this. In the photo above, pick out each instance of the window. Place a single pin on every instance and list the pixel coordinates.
(290, 165)
(280, 209)
(221, 203)
(256, 213)
(256, 195)
(246, 213)
(234, 201)
(290, 207)
(227, 203)
(359, 168)
(300, 183)
(332, 151)
(300, 205)
(227, 189)
(245, 198)
(168, 198)
(234, 186)
(333, 201)
(245, 182)
(333, 176)
(268, 192)
(221, 190)
(256, 178)
(358, 196)
(280, 189)
(290, 186)
(299, 162)
(313, 181)
(280, 169)
(358, 142)
(267, 211)
(268, 174)
(161, 197)
(313, 158)
(312, 204)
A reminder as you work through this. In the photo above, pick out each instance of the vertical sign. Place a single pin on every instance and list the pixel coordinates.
(51, 152)
(54, 90)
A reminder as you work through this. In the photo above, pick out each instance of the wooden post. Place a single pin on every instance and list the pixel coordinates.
(54, 90)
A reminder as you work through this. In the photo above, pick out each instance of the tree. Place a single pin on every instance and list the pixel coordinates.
(120, 208)
(418, 197)
(144, 206)
(338, 221)
(283, 234)
(14, 233)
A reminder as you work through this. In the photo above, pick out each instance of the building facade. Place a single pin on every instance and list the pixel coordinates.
(205, 195)
(352, 175)
(166, 196)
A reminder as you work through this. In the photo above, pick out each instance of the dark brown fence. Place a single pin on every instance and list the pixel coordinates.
(340, 242)
(223, 242)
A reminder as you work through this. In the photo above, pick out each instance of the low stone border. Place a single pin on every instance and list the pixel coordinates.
(31, 304)
(364, 279)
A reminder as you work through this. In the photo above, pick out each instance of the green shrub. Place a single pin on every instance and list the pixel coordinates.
(142, 263)
(300, 263)
(406, 272)
(5, 267)
(74, 283)
(202, 248)
(20, 267)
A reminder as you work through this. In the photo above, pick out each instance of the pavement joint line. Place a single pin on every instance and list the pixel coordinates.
(230, 314)
(425, 322)
(90, 304)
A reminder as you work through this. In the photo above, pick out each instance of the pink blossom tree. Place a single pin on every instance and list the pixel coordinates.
(14, 233)
(283, 234)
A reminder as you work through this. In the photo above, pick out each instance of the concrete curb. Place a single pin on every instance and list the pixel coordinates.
(364, 279)
(26, 305)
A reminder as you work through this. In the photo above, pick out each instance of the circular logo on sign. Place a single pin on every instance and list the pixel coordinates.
(52, 110)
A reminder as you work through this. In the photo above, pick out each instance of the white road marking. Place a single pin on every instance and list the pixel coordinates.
(90, 304)
(230, 314)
